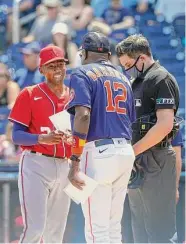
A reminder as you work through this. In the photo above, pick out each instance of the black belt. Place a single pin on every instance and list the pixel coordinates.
(46, 155)
(163, 144)
(107, 141)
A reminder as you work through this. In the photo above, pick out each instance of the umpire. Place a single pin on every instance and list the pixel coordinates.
(156, 96)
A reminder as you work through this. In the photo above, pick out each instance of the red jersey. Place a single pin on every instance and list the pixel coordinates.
(32, 108)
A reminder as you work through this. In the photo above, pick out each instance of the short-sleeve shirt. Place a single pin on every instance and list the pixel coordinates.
(115, 16)
(178, 140)
(108, 94)
(153, 90)
(32, 109)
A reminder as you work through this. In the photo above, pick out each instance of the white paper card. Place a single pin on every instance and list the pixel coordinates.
(61, 121)
(80, 196)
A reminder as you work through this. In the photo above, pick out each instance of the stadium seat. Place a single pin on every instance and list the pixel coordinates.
(118, 35)
(182, 100)
(78, 37)
(181, 81)
(4, 113)
(179, 26)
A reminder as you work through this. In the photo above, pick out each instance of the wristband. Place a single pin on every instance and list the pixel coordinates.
(78, 144)
(80, 135)
(75, 158)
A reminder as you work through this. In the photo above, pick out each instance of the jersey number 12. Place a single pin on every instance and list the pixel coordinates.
(113, 104)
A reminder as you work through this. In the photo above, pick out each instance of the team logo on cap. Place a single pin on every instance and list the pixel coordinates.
(56, 53)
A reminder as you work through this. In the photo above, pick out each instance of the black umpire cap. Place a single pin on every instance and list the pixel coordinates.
(96, 42)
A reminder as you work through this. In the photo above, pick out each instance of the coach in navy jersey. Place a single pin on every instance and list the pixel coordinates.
(103, 108)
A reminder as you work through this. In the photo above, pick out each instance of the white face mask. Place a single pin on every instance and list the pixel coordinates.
(133, 71)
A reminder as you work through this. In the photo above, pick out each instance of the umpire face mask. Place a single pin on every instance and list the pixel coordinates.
(133, 71)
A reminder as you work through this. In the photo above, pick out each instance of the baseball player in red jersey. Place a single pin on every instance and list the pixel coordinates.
(43, 166)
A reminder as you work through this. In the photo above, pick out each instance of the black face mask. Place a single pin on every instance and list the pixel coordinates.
(133, 71)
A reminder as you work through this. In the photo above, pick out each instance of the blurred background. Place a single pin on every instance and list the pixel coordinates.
(26, 26)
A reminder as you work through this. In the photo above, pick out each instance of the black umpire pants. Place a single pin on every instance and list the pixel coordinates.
(153, 205)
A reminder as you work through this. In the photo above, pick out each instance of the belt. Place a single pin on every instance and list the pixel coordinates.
(163, 144)
(46, 155)
(107, 141)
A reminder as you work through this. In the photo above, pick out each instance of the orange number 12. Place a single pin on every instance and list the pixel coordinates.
(113, 105)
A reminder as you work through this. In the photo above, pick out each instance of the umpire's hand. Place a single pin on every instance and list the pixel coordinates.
(53, 138)
(73, 177)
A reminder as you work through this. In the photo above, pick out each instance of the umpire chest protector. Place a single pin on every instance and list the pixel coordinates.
(155, 89)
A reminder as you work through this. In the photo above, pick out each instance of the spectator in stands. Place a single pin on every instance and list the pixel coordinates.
(79, 14)
(9, 90)
(42, 27)
(100, 6)
(29, 75)
(25, 7)
(170, 10)
(117, 17)
(60, 37)
(97, 26)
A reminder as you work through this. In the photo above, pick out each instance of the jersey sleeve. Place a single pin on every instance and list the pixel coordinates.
(80, 92)
(21, 111)
(165, 95)
(178, 140)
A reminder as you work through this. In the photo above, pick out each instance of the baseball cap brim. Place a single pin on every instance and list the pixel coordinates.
(55, 59)
(27, 51)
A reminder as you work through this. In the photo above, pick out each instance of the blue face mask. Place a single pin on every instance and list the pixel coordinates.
(133, 71)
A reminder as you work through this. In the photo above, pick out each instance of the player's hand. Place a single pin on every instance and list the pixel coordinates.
(67, 137)
(53, 138)
(73, 177)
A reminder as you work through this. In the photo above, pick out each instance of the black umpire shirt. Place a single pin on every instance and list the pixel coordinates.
(155, 89)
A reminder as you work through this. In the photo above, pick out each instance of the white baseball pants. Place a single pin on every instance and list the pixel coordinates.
(110, 165)
(44, 205)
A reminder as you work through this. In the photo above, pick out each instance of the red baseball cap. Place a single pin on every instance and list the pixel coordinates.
(50, 54)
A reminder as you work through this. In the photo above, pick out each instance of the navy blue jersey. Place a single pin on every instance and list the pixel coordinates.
(107, 92)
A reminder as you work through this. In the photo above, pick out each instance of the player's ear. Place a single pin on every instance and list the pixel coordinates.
(84, 54)
(142, 57)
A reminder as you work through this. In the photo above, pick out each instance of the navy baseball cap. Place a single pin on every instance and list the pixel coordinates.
(96, 42)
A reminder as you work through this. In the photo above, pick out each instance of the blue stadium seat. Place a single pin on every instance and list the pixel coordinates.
(79, 35)
(152, 30)
(182, 100)
(179, 26)
(169, 52)
(160, 41)
(4, 113)
(118, 35)
(181, 80)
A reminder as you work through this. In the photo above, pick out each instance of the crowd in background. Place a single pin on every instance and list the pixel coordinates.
(63, 23)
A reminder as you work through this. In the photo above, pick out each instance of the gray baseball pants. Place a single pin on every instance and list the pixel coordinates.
(153, 205)
(44, 205)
